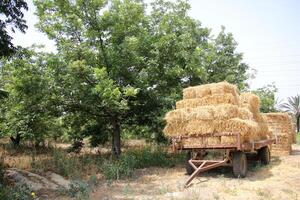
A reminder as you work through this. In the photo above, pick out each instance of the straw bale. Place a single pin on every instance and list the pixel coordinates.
(225, 111)
(277, 117)
(208, 100)
(263, 125)
(196, 92)
(250, 101)
(247, 128)
(212, 140)
(173, 129)
(228, 140)
(210, 89)
(185, 114)
(200, 127)
(244, 113)
(225, 88)
(193, 142)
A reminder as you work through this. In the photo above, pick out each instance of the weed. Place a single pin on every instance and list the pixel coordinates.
(137, 159)
(18, 192)
(263, 193)
(79, 190)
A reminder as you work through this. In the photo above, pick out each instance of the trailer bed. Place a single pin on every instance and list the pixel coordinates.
(189, 143)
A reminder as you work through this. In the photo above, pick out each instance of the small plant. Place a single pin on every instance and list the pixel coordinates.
(79, 190)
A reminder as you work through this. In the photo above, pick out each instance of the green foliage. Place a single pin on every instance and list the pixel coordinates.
(292, 106)
(18, 192)
(125, 166)
(267, 98)
(79, 190)
(25, 112)
(11, 18)
(118, 66)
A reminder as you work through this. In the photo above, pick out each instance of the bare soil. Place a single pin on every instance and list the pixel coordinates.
(279, 180)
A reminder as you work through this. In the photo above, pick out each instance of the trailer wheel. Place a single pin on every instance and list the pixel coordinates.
(264, 155)
(239, 164)
(188, 167)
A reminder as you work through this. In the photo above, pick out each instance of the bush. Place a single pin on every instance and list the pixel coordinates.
(18, 192)
(79, 189)
(137, 159)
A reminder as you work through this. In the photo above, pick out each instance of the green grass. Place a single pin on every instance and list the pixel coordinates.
(78, 167)
(298, 138)
(125, 166)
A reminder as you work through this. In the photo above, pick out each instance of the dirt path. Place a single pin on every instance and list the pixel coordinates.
(279, 180)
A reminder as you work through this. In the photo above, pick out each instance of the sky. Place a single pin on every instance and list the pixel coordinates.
(267, 32)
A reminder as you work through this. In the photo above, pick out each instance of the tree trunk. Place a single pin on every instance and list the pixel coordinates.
(298, 125)
(16, 141)
(116, 139)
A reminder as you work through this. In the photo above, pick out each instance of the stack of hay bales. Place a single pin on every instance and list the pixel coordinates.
(216, 108)
(281, 127)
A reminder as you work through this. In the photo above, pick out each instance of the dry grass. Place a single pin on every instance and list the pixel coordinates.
(164, 184)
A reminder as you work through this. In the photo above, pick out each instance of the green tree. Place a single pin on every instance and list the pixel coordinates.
(119, 65)
(12, 13)
(24, 111)
(223, 62)
(267, 98)
(293, 106)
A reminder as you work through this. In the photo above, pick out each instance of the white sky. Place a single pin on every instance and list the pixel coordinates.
(267, 32)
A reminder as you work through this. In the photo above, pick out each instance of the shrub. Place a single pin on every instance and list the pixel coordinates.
(137, 159)
(79, 190)
(18, 192)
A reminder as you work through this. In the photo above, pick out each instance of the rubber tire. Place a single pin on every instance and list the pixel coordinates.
(264, 155)
(240, 166)
(188, 167)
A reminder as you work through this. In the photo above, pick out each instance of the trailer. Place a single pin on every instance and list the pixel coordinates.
(234, 154)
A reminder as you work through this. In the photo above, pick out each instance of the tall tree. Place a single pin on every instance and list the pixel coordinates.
(293, 106)
(120, 65)
(12, 12)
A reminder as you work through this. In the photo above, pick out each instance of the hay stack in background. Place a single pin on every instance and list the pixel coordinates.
(280, 125)
(214, 108)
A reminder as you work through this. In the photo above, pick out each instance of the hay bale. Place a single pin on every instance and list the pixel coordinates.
(212, 140)
(225, 111)
(208, 100)
(263, 125)
(210, 89)
(174, 129)
(228, 140)
(244, 113)
(249, 130)
(250, 101)
(280, 125)
(196, 92)
(200, 127)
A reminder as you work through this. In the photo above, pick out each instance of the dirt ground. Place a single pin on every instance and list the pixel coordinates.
(279, 180)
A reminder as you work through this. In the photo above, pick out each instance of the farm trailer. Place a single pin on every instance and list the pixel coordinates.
(234, 154)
